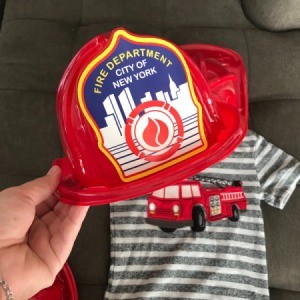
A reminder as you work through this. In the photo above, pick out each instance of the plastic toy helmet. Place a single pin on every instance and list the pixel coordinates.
(63, 287)
(138, 113)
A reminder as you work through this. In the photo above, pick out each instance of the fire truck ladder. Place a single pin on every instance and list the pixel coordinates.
(217, 181)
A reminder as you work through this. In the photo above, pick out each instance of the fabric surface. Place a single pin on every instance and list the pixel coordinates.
(2, 3)
(227, 260)
(273, 15)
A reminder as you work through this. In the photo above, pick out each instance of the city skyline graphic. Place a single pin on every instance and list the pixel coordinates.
(118, 107)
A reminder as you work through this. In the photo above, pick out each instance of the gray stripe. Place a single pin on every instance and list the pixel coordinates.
(129, 208)
(189, 247)
(188, 288)
(234, 166)
(233, 176)
(242, 154)
(274, 168)
(224, 223)
(188, 233)
(140, 261)
(191, 274)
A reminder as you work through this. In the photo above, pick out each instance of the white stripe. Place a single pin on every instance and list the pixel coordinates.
(264, 153)
(136, 201)
(255, 220)
(229, 171)
(253, 207)
(284, 197)
(193, 268)
(258, 143)
(270, 163)
(168, 295)
(189, 281)
(243, 149)
(187, 240)
(251, 183)
(238, 231)
(238, 160)
(257, 196)
(251, 137)
(131, 214)
(284, 178)
(289, 191)
(189, 254)
(272, 178)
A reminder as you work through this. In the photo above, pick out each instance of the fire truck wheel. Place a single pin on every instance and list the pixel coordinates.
(199, 219)
(235, 213)
(168, 230)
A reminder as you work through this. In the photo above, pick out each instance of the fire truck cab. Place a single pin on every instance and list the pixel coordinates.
(192, 203)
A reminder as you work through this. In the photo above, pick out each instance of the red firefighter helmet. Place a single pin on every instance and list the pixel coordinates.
(137, 113)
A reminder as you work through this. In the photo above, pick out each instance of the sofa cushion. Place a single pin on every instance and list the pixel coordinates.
(2, 4)
(273, 15)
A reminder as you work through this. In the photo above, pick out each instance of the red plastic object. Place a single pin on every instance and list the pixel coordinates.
(137, 113)
(63, 288)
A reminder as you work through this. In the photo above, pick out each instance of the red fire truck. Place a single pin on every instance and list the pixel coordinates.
(193, 202)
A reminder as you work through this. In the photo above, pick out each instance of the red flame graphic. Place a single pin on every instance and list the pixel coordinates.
(156, 133)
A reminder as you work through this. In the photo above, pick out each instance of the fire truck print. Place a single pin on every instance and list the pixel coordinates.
(195, 201)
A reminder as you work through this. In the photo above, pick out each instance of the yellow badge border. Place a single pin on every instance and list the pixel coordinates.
(141, 40)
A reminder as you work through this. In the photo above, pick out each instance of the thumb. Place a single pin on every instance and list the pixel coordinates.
(41, 188)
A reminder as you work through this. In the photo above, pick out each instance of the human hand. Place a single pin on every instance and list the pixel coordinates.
(37, 234)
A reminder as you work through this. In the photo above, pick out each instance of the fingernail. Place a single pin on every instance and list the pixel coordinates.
(53, 170)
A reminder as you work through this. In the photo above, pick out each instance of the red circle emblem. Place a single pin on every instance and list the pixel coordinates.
(154, 131)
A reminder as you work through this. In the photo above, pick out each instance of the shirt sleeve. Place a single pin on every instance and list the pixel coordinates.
(278, 172)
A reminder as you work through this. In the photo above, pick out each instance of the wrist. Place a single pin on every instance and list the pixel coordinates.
(2, 294)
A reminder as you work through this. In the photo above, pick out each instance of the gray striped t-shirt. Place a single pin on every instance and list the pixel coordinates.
(227, 260)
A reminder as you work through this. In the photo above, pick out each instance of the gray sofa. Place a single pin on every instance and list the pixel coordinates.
(39, 37)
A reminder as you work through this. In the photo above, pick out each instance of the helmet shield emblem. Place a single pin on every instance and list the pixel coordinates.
(139, 99)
